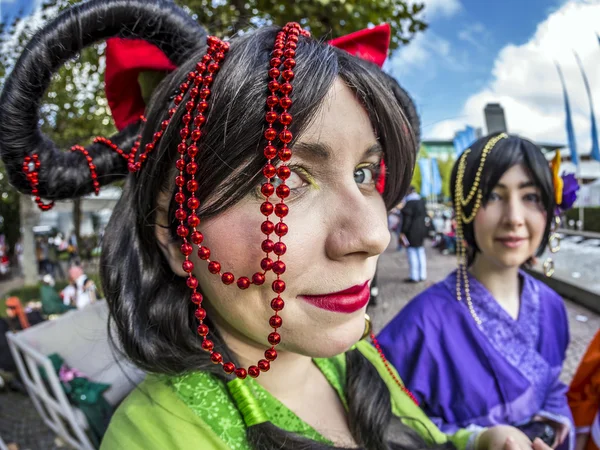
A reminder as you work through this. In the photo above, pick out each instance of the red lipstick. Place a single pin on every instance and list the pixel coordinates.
(346, 301)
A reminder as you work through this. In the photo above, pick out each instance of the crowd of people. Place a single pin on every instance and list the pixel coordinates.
(77, 294)
(238, 278)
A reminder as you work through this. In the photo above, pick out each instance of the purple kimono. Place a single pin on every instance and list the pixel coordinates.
(504, 372)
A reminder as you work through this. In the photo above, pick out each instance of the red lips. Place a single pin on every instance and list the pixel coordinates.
(347, 301)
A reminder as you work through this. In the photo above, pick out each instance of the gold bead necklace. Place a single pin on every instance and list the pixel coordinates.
(460, 202)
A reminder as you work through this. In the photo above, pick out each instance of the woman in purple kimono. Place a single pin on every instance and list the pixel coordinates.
(486, 345)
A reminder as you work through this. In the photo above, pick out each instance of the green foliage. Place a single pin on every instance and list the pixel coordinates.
(324, 18)
(446, 173)
(10, 221)
(74, 109)
(416, 179)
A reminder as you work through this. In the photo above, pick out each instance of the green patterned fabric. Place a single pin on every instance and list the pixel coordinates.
(208, 398)
(197, 410)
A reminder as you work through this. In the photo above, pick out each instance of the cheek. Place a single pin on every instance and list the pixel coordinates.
(486, 221)
(537, 225)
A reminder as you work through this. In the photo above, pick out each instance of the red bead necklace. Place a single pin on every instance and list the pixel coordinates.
(197, 88)
(390, 371)
(31, 168)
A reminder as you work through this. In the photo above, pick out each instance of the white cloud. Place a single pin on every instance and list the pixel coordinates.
(526, 83)
(425, 51)
(474, 34)
(440, 8)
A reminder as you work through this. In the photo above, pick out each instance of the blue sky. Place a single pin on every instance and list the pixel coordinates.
(479, 51)
(10, 8)
(462, 43)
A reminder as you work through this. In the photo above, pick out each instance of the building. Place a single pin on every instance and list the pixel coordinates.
(494, 118)
(95, 213)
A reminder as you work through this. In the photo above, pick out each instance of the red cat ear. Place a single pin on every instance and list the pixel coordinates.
(125, 60)
(371, 44)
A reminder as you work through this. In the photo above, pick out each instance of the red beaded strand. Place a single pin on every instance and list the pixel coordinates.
(281, 74)
(111, 145)
(92, 166)
(31, 168)
(132, 166)
(196, 106)
(390, 371)
(31, 171)
(202, 79)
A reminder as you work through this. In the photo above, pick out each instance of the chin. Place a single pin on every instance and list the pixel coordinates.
(329, 340)
(512, 263)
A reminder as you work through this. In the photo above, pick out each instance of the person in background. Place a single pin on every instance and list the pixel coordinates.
(486, 346)
(18, 317)
(85, 289)
(50, 299)
(414, 231)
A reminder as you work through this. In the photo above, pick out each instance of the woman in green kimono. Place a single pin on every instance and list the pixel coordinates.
(238, 260)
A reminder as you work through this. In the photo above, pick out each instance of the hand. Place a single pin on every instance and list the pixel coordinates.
(501, 436)
(561, 430)
(538, 444)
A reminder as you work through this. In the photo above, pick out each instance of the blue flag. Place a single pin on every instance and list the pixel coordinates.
(463, 140)
(425, 168)
(436, 178)
(569, 120)
(595, 147)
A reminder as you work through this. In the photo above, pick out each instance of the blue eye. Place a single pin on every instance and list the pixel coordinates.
(364, 175)
(534, 198)
(494, 196)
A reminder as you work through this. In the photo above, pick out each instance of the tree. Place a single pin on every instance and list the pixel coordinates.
(323, 17)
(446, 173)
(10, 222)
(74, 109)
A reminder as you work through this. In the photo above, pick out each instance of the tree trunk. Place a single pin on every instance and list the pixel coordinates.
(30, 217)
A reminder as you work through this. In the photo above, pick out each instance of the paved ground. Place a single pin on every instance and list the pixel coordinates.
(19, 421)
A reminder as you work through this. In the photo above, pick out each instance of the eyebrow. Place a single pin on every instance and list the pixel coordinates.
(322, 152)
(523, 185)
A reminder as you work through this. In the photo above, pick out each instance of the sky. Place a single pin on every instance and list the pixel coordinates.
(480, 51)
(475, 52)
(11, 8)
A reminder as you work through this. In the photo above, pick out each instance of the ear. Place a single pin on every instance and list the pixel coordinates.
(168, 247)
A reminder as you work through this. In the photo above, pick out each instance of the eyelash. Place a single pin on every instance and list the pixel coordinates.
(375, 168)
(529, 197)
(303, 174)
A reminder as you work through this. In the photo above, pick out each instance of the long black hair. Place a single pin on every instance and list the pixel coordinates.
(506, 153)
(149, 304)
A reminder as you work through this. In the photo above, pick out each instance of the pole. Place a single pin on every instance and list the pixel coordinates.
(581, 207)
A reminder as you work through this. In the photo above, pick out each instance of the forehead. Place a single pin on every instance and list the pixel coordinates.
(341, 123)
(516, 175)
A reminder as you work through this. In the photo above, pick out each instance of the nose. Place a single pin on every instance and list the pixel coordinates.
(514, 214)
(357, 226)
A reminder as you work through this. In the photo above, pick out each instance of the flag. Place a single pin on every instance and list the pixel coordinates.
(436, 178)
(425, 168)
(568, 121)
(463, 140)
(595, 148)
